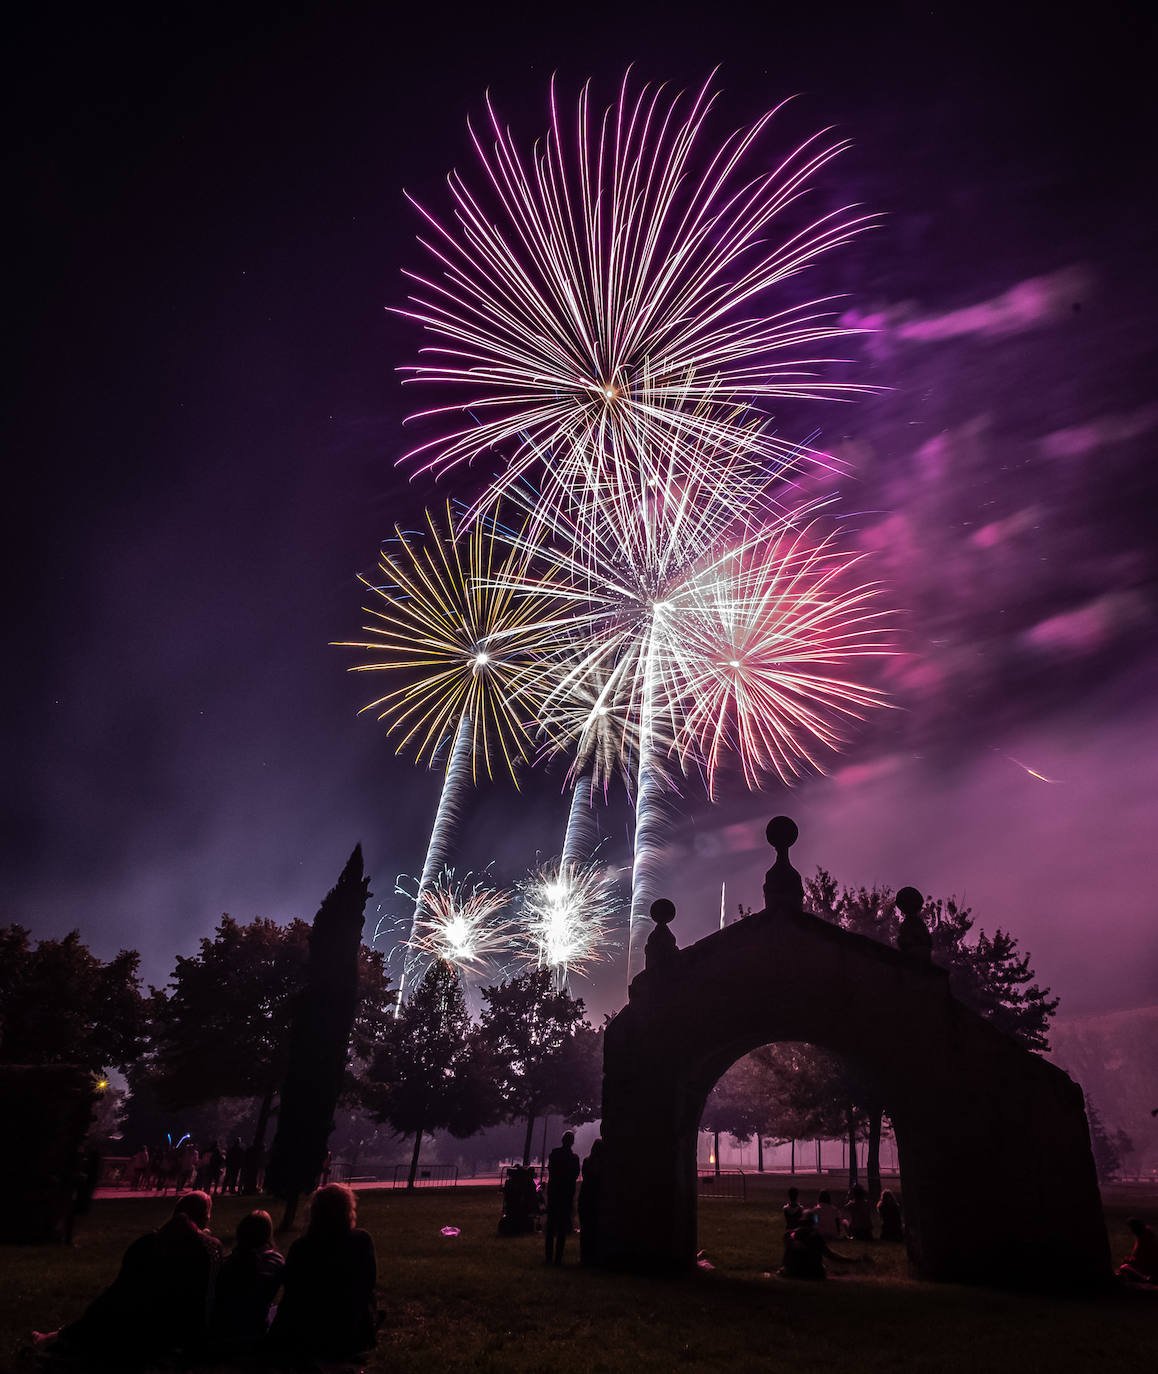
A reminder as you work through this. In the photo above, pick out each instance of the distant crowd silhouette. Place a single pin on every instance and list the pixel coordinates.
(211, 1169)
(178, 1297)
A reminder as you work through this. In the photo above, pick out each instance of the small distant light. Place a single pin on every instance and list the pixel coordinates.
(102, 1084)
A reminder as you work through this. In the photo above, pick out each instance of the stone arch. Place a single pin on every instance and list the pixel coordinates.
(996, 1166)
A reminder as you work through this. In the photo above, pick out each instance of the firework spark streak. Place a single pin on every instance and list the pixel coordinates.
(765, 631)
(607, 297)
(567, 915)
(463, 923)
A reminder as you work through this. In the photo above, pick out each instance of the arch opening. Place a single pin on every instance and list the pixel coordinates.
(799, 1094)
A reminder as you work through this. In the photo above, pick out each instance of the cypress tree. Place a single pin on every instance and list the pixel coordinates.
(319, 1041)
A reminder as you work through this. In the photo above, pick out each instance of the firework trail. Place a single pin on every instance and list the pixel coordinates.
(460, 622)
(606, 295)
(567, 915)
(586, 724)
(581, 835)
(462, 922)
(456, 781)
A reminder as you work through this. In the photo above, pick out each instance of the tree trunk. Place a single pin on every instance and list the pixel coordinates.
(852, 1175)
(792, 1157)
(414, 1158)
(759, 1153)
(873, 1162)
(289, 1215)
(716, 1150)
(264, 1112)
(527, 1140)
(250, 1170)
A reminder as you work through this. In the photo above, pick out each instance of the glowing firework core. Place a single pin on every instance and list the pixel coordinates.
(463, 923)
(566, 917)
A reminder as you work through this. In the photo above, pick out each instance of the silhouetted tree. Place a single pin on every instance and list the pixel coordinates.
(425, 1075)
(222, 1028)
(59, 1004)
(542, 1052)
(320, 1042)
(986, 973)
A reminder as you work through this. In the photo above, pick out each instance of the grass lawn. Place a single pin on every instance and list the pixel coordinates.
(479, 1302)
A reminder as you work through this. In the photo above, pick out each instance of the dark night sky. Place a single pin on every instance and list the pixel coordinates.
(205, 416)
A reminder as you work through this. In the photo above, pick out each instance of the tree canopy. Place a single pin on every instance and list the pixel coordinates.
(59, 1004)
(425, 1075)
(543, 1054)
(222, 1027)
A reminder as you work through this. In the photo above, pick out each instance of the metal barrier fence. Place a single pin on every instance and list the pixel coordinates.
(428, 1176)
(728, 1183)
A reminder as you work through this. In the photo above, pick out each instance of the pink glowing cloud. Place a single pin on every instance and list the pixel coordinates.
(1089, 627)
(1079, 440)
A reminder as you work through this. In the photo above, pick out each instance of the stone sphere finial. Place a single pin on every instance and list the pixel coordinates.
(661, 947)
(782, 832)
(663, 912)
(909, 901)
(783, 887)
(913, 938)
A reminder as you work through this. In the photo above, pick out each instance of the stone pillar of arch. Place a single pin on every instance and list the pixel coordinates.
(997, 1173)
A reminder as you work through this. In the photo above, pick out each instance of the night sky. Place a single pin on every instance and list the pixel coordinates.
(205, 413)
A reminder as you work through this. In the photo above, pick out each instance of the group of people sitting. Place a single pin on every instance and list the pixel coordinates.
(807, 1230)
(177, 1295)
(853, 1219)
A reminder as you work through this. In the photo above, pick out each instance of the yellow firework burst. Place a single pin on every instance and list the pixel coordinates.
(460, 625)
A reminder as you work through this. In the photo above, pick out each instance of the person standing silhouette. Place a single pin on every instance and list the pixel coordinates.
(590, 1192)
(562, 1173)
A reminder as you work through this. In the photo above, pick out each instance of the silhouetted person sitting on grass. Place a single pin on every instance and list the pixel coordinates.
(562, 1173)
(827, 1215)
(1141, 1264)
(793, 1212)
(858, 1219)
(805, 1251)
(246, 1287)
(158, 1304)
(889, 1211)
(327, 1310)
